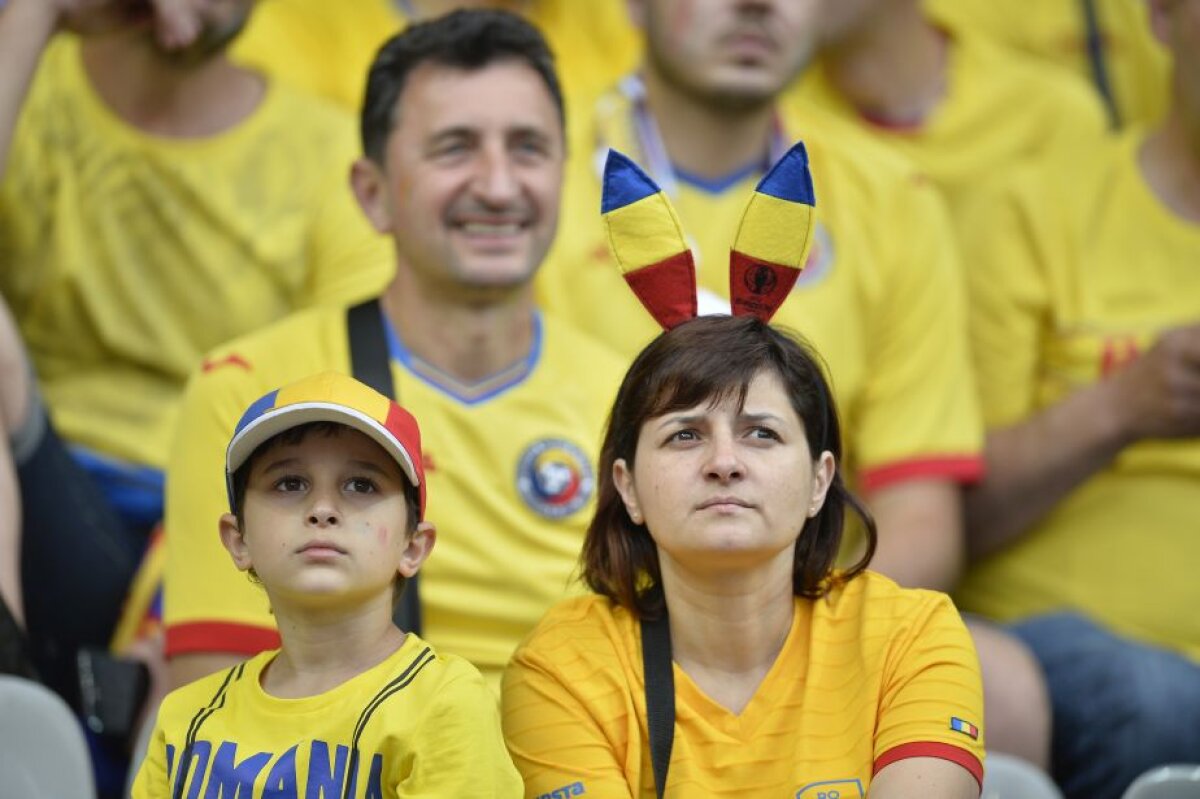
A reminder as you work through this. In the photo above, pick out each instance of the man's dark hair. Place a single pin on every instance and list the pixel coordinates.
(466, 39)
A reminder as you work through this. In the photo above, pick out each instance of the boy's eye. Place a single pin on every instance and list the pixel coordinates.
(290, 483)
(360, 485)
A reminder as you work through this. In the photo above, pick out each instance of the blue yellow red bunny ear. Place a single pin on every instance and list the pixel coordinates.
(773, 239)
(647, 241)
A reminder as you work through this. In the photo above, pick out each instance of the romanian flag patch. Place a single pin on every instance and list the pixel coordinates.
(965, 727)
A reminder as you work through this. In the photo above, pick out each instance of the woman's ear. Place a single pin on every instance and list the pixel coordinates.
(824, 468)
(420, 544)
(623, 480)
(234, 541)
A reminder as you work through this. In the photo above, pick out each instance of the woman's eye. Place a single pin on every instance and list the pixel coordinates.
(765, 433)
(683, 435)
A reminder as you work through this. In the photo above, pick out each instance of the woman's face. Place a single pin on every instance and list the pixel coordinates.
(722, 487)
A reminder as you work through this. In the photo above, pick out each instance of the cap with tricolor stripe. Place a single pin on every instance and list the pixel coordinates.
(330, 397)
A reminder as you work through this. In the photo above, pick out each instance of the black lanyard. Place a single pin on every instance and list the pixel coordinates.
(660, 696)
(370, 363)
(1094, 39)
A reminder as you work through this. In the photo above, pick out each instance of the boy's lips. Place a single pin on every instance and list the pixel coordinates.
(322, 546)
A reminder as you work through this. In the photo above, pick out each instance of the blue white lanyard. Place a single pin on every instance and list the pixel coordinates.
(654, 151)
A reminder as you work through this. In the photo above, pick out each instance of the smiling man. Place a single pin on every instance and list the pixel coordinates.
(463, 139)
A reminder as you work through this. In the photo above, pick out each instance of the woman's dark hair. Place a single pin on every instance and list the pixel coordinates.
(711, 359)
(468, 39)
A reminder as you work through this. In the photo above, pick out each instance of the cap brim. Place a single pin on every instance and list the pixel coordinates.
(276, 421)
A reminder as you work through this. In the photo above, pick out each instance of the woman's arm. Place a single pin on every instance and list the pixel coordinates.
(927, 777)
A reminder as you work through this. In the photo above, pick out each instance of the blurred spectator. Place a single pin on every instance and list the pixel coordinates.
(464, 150)
(960, 106)
(157, 201)
(326, 47)
(1086, 330)
(880, 299)
(1107, 42)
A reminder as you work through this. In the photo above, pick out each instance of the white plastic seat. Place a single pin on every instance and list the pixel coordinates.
(1008, 777)
(43, 753)
(1177, 781)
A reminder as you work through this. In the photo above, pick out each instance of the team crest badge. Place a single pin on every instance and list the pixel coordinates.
(554, 478)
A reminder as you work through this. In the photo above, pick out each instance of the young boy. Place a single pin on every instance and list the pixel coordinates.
(328, 497)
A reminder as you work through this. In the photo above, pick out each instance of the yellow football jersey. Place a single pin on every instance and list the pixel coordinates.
(510, 471)
(327, 47)
(868, 675)
(1136, 65)
(1079, 268)
(1000, 109)
(126, 257)
(418, 724)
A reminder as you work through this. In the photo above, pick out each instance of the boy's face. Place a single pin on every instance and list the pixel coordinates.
(325, 522)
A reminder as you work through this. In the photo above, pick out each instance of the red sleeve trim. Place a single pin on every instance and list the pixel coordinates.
(959, 468)
(217, 636)
(932, 749)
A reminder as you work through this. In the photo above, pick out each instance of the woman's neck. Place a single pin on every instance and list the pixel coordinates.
(728, 630)
(322, 649)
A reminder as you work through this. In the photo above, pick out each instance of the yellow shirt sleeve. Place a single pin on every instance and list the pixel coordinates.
(151, 780)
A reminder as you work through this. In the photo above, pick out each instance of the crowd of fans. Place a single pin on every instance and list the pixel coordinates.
(204, 200)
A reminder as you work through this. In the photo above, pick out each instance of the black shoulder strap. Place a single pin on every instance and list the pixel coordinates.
(370, 363)
(660, 696)
(1094, 39)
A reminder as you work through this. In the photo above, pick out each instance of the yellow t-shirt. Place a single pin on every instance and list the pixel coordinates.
(511, 484)
(1000, 108)
(125, 257)
(1078, 269)
(868, 675)
(1137, 66)
(880, 299)
(327, 47)
(418, 724)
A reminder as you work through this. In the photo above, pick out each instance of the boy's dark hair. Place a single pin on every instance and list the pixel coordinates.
(466, 39)
(296, 435)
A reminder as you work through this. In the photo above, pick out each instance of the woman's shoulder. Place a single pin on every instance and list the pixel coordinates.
(875, 600)
(588, 632)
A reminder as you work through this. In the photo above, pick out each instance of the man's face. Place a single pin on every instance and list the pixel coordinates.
(220, 23)
(473, 170)
(735, 53)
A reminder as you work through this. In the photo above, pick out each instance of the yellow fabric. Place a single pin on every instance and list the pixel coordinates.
(775, 230)
(499, 562)
(870, 668)
(126, 257)
(433, 732)
(1000, 109)
(1138, 67)
(1077, 270)
(644, 232)
(881, 298)
(327, 47)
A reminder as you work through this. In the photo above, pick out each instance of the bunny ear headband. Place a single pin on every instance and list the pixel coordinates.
(768, 252)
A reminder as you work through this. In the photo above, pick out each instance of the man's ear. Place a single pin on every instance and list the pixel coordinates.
(235, 542)
(420, 544)
(369, 185)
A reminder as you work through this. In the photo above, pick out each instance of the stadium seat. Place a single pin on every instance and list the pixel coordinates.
(1008, 777)
(43, 754)
(1166, 782)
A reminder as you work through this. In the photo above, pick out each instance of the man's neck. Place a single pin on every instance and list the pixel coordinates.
(728, 630)
(324, 648)
(704, 139)
(470, 342)
(159, 97)
(894, 69)
(1170, 163)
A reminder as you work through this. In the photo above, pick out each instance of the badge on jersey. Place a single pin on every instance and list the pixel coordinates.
(832, 789)
(554, 478)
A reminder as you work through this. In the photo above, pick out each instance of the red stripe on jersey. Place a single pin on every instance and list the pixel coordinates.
(959, 468)
(219, 636)
(931, 749)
